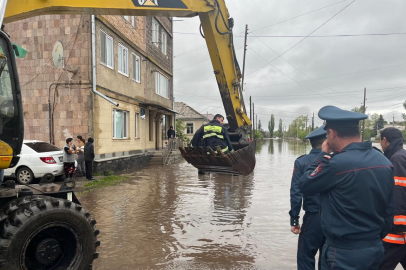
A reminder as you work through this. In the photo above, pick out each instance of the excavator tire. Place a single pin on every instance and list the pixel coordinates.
(41, 233)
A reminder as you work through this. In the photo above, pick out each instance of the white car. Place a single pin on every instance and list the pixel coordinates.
(37, 158)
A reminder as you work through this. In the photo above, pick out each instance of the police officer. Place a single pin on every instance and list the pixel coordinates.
(213, 134)
(394, 242)
(311, 238)
(356, 189)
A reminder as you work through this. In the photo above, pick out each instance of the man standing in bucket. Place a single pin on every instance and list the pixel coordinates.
(394, 242)
(311, 237)
(356, 187)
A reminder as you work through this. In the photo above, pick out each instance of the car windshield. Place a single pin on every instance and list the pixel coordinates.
(41, 147)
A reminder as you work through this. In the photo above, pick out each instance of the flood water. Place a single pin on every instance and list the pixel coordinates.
(172, 218)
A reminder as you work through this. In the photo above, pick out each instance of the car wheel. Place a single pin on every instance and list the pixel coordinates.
(24, 176)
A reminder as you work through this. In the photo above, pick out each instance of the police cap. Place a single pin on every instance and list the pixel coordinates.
(317, 133)
(336, 117)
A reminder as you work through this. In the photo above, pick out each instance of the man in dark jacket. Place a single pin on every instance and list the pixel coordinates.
(311, 237)
(89, 157)
(171, 132)
(213, 134)
(356, 187)
(394, 242)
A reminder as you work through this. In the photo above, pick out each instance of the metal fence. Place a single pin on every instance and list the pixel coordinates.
(173, 144)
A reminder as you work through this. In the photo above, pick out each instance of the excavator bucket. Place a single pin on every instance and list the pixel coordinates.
(239, 162)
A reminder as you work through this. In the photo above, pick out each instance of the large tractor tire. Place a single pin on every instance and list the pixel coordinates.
(44, 233)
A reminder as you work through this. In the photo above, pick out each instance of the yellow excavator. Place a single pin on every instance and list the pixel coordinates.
(44, 226)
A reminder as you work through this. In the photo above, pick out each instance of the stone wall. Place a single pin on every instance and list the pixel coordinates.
(120, 164)
(136, 35)
(37, 72)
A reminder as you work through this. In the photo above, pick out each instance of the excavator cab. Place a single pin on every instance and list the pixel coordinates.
(11, 113)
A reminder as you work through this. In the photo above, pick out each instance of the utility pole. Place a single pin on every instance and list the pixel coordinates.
(393, 120)
(251, 118)
(253, 122)
(313, 122)
(363, 121)
(306, 121)
(245, 54)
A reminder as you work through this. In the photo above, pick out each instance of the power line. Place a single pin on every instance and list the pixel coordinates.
(328, 36)
(297, 81)
(201, 61)
(298, 16)
(297, 67)
(342, 74)
(303, 38)
(200, 48)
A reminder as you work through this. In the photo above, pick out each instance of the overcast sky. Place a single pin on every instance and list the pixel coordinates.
(316, 72)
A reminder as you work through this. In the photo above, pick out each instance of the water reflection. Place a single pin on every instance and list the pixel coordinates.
(270, 148)
(172, 218)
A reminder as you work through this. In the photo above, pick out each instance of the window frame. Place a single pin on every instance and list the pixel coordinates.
(134, 66)
(125, 126)
(134, 21)
(108, 37)
(123, 48)
(193, 128)
(164, 41)
(136, 124)
(158, 85)
(155, 32)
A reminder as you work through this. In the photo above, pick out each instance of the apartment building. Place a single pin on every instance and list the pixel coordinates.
(75, 61)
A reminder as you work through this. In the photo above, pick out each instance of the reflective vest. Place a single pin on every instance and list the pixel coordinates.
(211, 131)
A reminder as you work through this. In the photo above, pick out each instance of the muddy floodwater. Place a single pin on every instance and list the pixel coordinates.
(172, 218)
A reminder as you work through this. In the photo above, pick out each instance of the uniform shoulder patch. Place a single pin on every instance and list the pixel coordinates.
(316, 171)
(332, 154)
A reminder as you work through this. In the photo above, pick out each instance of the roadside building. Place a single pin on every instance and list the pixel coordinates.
(132, 59)
(192, 119)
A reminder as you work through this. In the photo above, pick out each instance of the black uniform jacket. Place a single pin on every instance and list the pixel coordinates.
(357, 195)
(220, 138)
(397, 155)
(310, 203)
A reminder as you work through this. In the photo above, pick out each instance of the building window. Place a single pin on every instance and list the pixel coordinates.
(137, 115)
(189, 128)
(161, 85)
(127, 18)
(120, 124)
(155, 32)
(122, 59)
(164, 42)
(136, 68)
(106, 50)
(134, 22)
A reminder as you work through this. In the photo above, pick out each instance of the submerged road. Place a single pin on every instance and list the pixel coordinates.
(172, 218)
